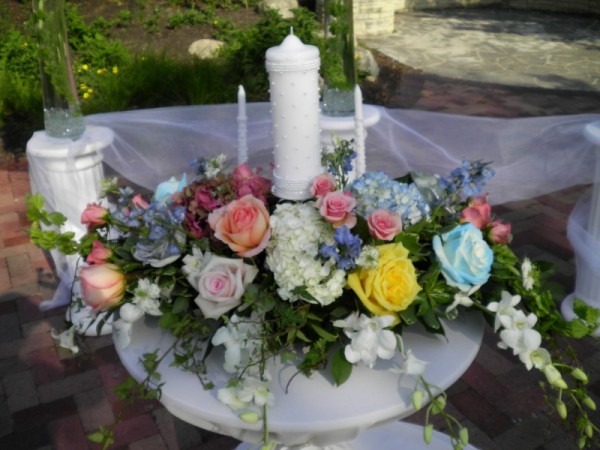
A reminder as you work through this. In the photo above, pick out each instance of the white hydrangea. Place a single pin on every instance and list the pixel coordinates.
(368, 258)
(297, 234)
(146, 296)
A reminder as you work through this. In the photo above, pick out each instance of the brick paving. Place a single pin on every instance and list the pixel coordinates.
(51, 400)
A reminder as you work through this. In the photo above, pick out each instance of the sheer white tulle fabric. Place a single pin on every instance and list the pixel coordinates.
(531, 156)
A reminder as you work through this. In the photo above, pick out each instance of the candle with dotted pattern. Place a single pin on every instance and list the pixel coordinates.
(294, 90)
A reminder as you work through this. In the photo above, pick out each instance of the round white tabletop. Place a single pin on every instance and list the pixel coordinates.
(310, 410)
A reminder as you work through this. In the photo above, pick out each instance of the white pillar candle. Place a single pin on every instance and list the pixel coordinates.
(359, 133)
(294, 89)
(242, 127)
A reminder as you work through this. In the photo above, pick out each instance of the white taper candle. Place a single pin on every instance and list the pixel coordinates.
(359, 132)
(242, 127)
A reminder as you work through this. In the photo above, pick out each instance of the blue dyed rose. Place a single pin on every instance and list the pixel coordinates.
(464, 257)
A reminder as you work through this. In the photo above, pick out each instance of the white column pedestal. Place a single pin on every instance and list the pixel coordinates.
(68, 174)
(343, 127)
(584, 235)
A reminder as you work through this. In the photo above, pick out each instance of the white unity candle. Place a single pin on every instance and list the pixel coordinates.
(294, 89)
(242, 127)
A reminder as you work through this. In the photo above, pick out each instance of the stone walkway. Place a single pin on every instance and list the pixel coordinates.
(515, 48)
(51, 400)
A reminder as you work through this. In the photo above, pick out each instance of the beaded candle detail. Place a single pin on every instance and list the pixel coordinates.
(294, 89)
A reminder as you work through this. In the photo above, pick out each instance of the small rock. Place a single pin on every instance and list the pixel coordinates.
(205, 48)
(283, 6)
(365, 62)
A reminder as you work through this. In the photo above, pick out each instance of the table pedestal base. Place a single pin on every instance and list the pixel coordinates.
(393, 436)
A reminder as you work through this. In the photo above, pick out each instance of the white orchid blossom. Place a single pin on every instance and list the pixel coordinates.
(463, 298)
(241, 340)
(192, 263)
(369, 338)
(505, 307)
(526, 269)
(66, 339)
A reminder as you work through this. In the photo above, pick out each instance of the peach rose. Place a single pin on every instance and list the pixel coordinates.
(93, 216)
(384, 224)
(99, 253)
(243, 225)
(139, 202)
(337, 208)
(103, 285)
(500, 233)
(323, 184)
(479, 212)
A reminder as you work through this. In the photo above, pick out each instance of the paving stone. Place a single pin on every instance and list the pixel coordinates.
(67, 433)
(134, 429)
(155, 442)
(94, 409)
(481, 412)
(35, 438)
(528, 434)
(69, 386)
(177, 433)
(9, 327)
(20, 391)
(40, 415)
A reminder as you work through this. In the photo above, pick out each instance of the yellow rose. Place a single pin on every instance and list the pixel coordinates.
(390, 287)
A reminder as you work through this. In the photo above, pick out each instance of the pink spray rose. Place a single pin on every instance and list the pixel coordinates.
(99, 253)
(384, 224)
(221, 284)
(103, 285)
(139, 202)
(479, 212)
(243, 225)
(93, 216)
(323, 184)
(337, 208)
(500, 233)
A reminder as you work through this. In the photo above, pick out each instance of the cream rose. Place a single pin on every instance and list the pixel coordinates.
(103, 285)
(220, 283)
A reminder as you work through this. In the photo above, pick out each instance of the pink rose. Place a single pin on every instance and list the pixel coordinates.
(103, 285)
(205, 199)
(221, 283)
(93, 216)
(384, 224)
(500, 233)
(243, 225)
(99, 253)
(479, 212)
(139, 202)
(323, 184)
(337, 208)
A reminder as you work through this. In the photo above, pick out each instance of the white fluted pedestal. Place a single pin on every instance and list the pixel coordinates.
(68, 175)
(584, 234)
(344, 127)
(311, 413)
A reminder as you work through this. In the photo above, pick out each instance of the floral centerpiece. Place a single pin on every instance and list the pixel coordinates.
(222, 262)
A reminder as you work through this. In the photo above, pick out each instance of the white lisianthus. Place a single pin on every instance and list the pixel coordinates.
(146, 296)
(526, 269)
(369, 338)
(192, 263)
(297, 234)
(506, 307)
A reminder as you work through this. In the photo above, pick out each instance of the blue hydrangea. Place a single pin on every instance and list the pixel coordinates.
(376, 190)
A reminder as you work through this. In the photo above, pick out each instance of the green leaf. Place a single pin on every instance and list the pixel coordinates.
(167, 320)
(96, 437)
(329, 337)
(180, 304)
(341, 369)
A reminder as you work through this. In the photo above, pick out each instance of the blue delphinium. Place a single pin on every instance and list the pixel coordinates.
(376, 190)
(345, 251)
(472, 176)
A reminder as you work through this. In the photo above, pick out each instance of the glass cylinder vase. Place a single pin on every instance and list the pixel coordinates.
(339, 72)
(62, 113)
